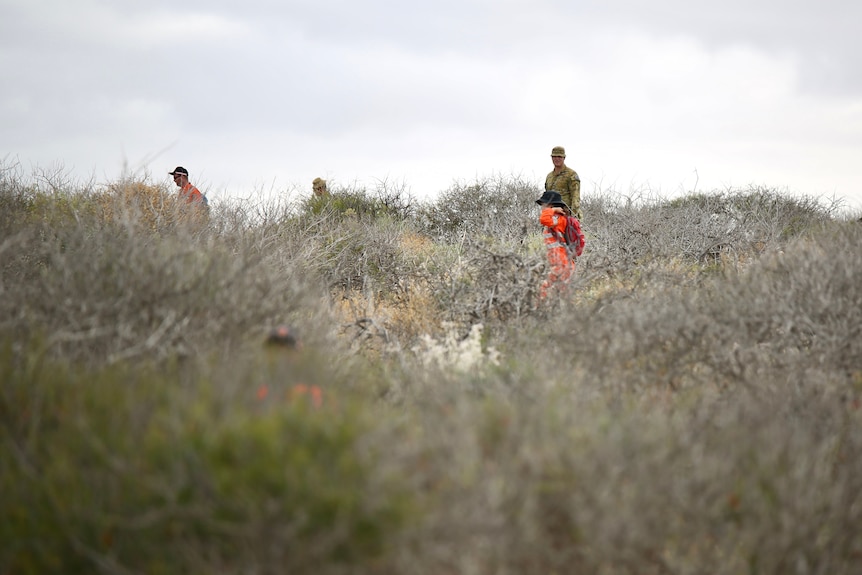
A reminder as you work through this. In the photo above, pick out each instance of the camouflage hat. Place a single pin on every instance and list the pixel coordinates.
(318, 186)
(558, 151)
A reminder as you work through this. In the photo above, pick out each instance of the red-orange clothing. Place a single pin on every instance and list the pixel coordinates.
(191, 194)
(562, 266)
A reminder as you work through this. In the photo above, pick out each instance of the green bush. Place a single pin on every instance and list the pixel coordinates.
(385, 200)
(131, 469)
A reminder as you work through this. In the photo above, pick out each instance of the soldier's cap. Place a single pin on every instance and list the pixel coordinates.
(552, 198)
(558, 151)
(179, 170)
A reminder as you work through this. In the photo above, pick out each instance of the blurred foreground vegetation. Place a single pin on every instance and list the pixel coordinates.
(692, 406)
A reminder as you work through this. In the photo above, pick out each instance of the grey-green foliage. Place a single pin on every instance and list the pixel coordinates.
(499, 208)
(645, 424)
(546, 484)
(107, 290)
(490, 223)
(623, 232)
(493, 285)
(385, 199)
(791, 318)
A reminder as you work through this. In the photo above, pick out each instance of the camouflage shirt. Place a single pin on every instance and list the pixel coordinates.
(568, 184)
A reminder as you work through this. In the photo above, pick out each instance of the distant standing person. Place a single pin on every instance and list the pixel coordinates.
(565, 180)
(318, 186)
(553, 221)
(188, 192)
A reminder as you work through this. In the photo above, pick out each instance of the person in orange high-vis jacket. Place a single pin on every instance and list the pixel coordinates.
(553, 220)
(188, 192)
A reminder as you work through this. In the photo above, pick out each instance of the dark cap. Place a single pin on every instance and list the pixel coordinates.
(552, 198)
(179, 170)
(283, 336)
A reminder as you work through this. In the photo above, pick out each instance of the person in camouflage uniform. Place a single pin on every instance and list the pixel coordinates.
(565, 180)
(318, 186)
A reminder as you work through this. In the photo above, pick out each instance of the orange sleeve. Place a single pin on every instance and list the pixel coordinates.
(552, 220)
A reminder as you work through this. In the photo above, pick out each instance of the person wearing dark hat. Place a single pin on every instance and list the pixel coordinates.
(284, 347)
(554, 222)
(564, 180)
(188, 192)
(283, 336)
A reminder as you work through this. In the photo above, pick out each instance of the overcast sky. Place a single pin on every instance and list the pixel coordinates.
(264, 95)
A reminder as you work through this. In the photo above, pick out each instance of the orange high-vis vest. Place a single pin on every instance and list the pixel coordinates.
(562, 266)
(191, 194)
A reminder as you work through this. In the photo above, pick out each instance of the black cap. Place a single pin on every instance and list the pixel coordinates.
(179, 170)
(553, 198)
(283, 336)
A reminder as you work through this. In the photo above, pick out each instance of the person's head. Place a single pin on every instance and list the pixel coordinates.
(282, 350)
(552, 199)
(284, 337)
(558, 156)
(318, 185)
(181, 176)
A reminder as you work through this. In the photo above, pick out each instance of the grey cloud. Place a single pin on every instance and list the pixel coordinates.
(359, 70)
(822, 36)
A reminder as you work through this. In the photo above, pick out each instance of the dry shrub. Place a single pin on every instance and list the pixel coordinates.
(388, 324)
(351, 254)
(795, 313)
(676, 414)
(799, 310)
(388, 277)
(416, 315)
(705, 228)
(489, 283)
(500, 208)
(552, 485)
(150, 206)
(416, 245)
(385, 199)
(104, 290)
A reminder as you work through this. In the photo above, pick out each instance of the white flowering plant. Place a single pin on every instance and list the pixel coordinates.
(459, 354)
